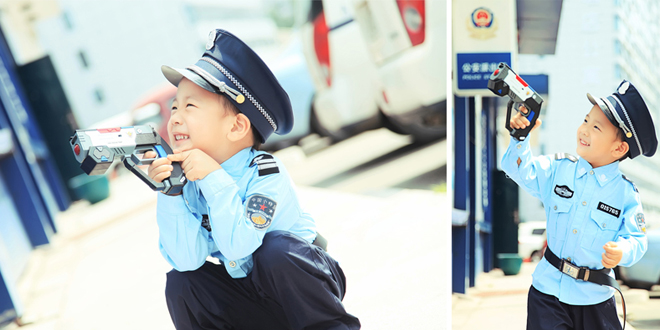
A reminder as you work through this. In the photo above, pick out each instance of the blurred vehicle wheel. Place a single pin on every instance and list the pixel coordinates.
(319, 129)
(425, 125)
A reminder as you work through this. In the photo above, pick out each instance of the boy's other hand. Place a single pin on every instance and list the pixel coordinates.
(160, 169)
(518, 121)
(612, 256)
(195, 163)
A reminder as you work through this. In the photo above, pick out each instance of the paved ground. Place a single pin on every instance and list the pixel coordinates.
(103, 269)
(500, 302)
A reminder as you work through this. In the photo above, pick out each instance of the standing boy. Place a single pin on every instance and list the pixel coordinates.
(594, 214)
(239, 206)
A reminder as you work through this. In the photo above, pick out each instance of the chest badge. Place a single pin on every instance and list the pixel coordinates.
(260, 210)
(563, 191)
(608, 209)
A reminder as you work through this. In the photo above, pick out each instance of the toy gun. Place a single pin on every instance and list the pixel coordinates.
(506, 82)
(97, 149)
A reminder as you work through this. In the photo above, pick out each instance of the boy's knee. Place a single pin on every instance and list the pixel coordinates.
(276, 247)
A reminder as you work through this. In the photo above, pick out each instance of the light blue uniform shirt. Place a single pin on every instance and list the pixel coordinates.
(222, 195)
(581, 204)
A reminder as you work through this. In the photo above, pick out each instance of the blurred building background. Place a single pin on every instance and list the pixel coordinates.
(599, 43)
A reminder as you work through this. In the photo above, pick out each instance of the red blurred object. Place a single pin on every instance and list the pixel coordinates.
(322, 46)
(154, 108)
(413, 14)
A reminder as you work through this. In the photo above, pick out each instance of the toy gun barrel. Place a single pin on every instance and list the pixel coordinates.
(504, 81)
(97, 149)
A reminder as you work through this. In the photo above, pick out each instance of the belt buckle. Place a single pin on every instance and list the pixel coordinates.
(569, 269)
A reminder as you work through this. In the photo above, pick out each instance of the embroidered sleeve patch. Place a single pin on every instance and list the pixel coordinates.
(641, 223)
(608, 209)
(563, 191)
(260, 210)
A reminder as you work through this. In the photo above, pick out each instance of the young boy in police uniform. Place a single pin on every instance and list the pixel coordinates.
(594, 214)
(239, 205)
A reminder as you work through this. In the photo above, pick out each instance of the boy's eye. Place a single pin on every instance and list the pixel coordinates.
(596, 127)
(190, 105)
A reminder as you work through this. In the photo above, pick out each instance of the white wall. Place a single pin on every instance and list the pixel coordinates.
(125, 44)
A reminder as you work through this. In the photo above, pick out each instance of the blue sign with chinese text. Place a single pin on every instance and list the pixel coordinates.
(474, 69)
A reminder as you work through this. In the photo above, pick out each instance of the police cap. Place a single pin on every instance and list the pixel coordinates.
(230, 67)
(626, 109)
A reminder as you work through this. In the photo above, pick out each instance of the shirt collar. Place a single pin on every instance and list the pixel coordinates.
(603, 174)
(236, 164)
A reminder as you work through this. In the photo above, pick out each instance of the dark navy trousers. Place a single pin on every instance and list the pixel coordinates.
(547, 312)
(293, 285)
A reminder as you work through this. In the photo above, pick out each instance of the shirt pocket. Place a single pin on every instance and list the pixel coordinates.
(600, 229)
(558, 219)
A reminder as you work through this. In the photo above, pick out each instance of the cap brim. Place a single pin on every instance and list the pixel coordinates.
(600, 103)
(174, 76)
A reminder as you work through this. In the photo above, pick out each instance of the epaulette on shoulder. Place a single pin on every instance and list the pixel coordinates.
(266, 164)
(563, 155)
(633, 184)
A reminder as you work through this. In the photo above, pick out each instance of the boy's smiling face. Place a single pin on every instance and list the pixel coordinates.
(597, 140)
(199, 121)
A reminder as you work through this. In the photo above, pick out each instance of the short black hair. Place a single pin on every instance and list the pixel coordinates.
(256, 138)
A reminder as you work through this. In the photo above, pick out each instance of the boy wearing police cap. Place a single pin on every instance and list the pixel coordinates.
(594, 214)
(239, 205)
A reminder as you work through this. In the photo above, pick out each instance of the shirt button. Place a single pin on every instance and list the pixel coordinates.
(232, 264)
(555, 208)
(604, 225)
(584, 203)
(569, 259)
(518, 146)
(591, 172)
(574, 231)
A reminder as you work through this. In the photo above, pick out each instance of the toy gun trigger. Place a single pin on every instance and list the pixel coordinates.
(177, 178)
(531, 114)
(132, 162)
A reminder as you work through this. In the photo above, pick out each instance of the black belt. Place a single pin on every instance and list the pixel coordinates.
(598, 276)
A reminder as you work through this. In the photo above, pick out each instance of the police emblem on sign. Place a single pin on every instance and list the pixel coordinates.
(641, 223)
(482, 24)
(260, 210)
(563, 191)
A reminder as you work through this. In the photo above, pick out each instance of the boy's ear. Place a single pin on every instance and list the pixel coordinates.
(621, 149)
(240, 128)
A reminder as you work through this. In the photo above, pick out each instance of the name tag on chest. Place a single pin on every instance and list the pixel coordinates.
(608, 209)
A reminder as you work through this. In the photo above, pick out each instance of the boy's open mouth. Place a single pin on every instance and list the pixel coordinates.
(584, 143)
(180, 137)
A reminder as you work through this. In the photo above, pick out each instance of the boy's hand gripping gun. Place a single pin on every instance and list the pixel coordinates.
(97, 149)
(506, 82)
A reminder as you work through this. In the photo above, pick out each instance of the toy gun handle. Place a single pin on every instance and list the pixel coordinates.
(171, 186)
(532, 115)
(505, 82)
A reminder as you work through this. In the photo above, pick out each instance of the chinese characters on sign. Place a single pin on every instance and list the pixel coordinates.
(478, 71)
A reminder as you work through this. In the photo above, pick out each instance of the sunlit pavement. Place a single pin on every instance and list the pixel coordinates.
(104, 271)
(498, 301)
